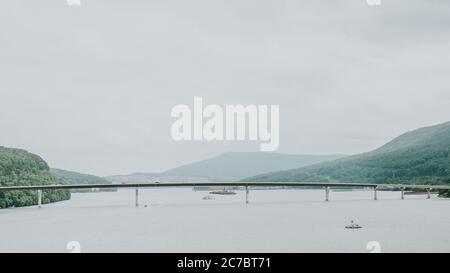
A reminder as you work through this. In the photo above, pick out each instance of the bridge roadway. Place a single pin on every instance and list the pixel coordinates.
(327, 186)
(224, 184)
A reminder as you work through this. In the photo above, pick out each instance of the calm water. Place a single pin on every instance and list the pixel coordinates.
(178, 220)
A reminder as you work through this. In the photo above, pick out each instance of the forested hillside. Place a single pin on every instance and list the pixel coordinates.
(21, 168)
(421, 156)
(69, 177)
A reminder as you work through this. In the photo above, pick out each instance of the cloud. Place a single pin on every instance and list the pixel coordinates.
(90, 88)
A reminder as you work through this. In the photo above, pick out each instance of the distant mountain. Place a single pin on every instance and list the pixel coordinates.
(420, 156)
(235, 166)
(153, 177)
(227, 167)
(70, 177)
(133, 177)
(21, 168)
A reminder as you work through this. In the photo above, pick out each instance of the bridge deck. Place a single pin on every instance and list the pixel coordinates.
(212, 184)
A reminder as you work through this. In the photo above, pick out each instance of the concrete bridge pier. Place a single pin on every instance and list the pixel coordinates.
(403, 193)
(246, 194)
(137, 197)
(39, 193)
(327, 194)
(375, 193)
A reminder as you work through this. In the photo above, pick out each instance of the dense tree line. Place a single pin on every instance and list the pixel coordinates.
(20, 168)
(445, 193)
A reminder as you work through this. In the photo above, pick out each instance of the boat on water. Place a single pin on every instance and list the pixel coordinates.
(353, 226)
(208, 197)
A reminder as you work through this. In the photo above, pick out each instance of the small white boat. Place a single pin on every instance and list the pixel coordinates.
(353, 226)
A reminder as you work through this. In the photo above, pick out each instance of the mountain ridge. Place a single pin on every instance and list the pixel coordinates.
(421, 155)
(71, 177)
(229, 166)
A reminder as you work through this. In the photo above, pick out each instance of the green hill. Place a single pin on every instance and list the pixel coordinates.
(421, 156)
(69, 177)
(235, 166)
(20, 168)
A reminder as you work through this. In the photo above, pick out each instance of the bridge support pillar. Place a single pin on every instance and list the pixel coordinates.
(39, 193)
(428, 193)
(246, 194)
(137, 197)
(327, 194)
(375, 193)
(403, 193)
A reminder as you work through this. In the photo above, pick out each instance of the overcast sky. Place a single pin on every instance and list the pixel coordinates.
(90, 88)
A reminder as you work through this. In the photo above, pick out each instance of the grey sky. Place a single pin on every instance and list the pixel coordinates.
(90, 88)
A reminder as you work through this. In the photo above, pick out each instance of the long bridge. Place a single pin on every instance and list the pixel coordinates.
(246, 185)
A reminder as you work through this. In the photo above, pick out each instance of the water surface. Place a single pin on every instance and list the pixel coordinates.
(178, 220)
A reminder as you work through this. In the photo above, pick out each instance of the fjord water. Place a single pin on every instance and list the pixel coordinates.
(179, 220)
